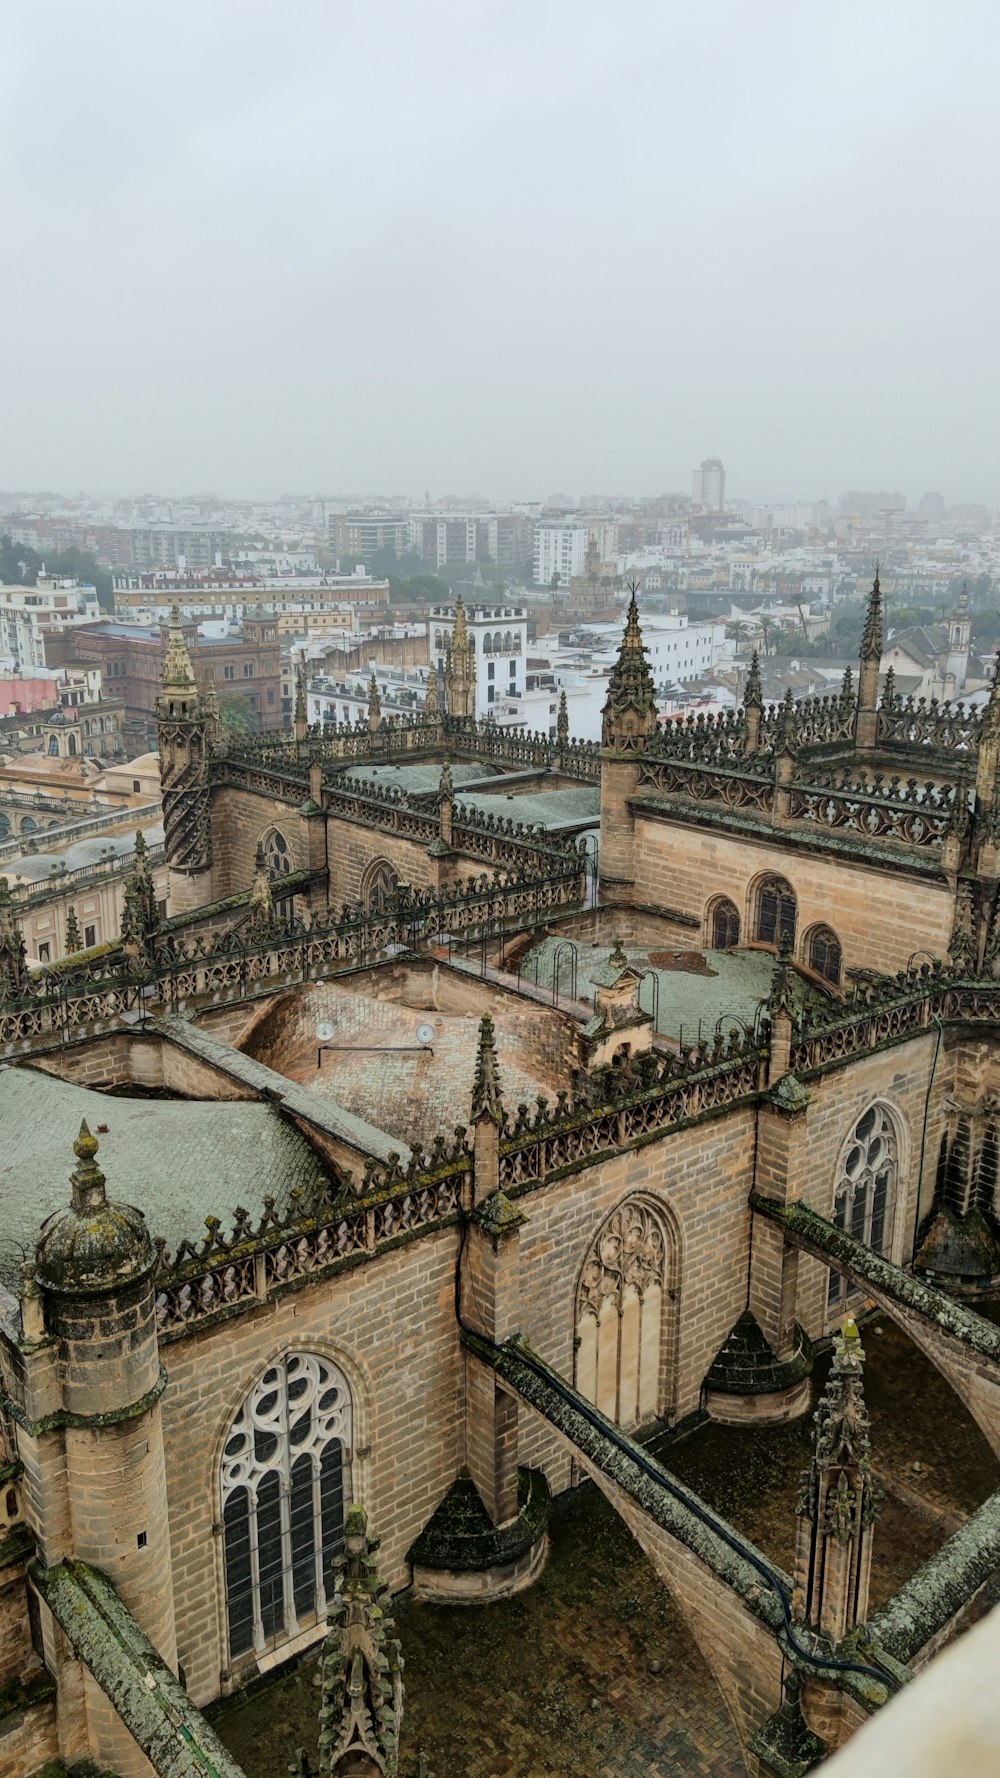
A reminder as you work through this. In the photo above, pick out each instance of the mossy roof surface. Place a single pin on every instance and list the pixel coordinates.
(554, 809)
(717, 985)
(415, 778)
(176, 1161)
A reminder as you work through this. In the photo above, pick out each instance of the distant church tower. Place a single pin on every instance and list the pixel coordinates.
(460, 671)
(959, 641)
(184, 727)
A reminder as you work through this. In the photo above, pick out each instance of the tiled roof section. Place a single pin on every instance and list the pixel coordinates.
(924, 644)
(553, 809)
(176, 1161)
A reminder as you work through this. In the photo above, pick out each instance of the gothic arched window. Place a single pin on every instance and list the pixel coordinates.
(377, 886)
(277, 855)
(775, 922)
(866, 1188)
(725, 926)
(283, 1486)
(4, 826)
(824, 954)
(619, 1315)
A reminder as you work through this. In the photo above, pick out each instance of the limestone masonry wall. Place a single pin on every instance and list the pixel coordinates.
(880, 918)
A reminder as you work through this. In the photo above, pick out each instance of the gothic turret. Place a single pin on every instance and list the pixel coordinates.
(629, 714)
(562, 721)
(300, 720)
(92, 1286)
(487, 1113)
(183, 726)
(460, 671)
(959, 641)
(838, 1503)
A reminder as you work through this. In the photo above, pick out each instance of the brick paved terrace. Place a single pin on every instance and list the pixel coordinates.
(591, 1674)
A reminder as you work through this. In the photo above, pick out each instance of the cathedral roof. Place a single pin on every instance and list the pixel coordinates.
(175, 1161)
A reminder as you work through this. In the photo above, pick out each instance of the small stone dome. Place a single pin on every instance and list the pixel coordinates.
(92, 1245)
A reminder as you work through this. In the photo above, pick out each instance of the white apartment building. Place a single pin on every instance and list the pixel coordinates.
(499, 634)
(26, 610)
(561, 547)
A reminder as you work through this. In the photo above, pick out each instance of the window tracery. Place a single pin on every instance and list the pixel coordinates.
(283, 1486)
(619, 1314)
(865, 1193)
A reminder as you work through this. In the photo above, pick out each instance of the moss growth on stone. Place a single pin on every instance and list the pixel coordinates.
(461, 1537)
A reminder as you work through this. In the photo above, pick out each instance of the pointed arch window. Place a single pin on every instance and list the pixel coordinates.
(380, 880)
(620, 1313)
(825, 955)
(775, 922)
(865, 1194)
(725, 926)
(284, 1479)
(277, 855)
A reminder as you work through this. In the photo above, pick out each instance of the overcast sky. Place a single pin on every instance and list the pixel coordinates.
(497, 246)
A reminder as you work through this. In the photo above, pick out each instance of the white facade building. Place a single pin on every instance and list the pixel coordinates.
(499, 634)
(50, 603)
(559, 549)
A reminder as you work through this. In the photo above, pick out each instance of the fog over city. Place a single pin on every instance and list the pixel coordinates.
(459, 245)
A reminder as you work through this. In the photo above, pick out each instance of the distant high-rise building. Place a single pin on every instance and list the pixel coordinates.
(708, 485)
(931, 506)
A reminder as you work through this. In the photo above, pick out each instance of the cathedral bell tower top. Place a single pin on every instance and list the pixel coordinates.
(179, 693)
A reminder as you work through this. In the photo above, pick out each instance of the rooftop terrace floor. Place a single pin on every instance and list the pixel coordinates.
(592, 1672)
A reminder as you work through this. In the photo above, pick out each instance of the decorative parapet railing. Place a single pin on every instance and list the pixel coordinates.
(340, 743)
(209, 967)
(477, 833)
(25, 894)
(890, 1010)
(732, 787)
(910, 812)
(718, 739)
(257, 1260)
(67, 833)
(928, 722)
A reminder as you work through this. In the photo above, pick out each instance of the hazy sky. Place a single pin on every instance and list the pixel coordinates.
(505, 246)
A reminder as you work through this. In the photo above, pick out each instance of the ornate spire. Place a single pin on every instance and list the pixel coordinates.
(872, 641)
(87, 1180)
(888, 688)
(847, 686)
(261, 895)
(178, 673)
(487, 1100)
(13, 969)
(752, 695)
(785, 738)
(74, 937)
(562, 721)
(460, 672)
(432, 701)
(630, 709)
(374, 707)
(838, 1502)
(361, 1667)
(139, 916)
(300, 692)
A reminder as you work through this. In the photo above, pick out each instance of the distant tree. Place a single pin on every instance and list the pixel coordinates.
(234, 713)
(554, 580)
(18, 565)
(420, 589)
(737, 632)
(767, 631)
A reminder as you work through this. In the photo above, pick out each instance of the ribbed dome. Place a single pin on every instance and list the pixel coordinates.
(92, 1245)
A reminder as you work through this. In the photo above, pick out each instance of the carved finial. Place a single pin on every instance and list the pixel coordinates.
(374, 706)
(432, 702)
(74, 938)
(562, 721)
(261, 894)
(872, 635)
(446, 789)
(361, 1667)
(86, 1179)
(889, 688)
(13, 968)
(300, 692)
(487, 1099)
(838, 1502)
(847, 687)
(752, 696)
